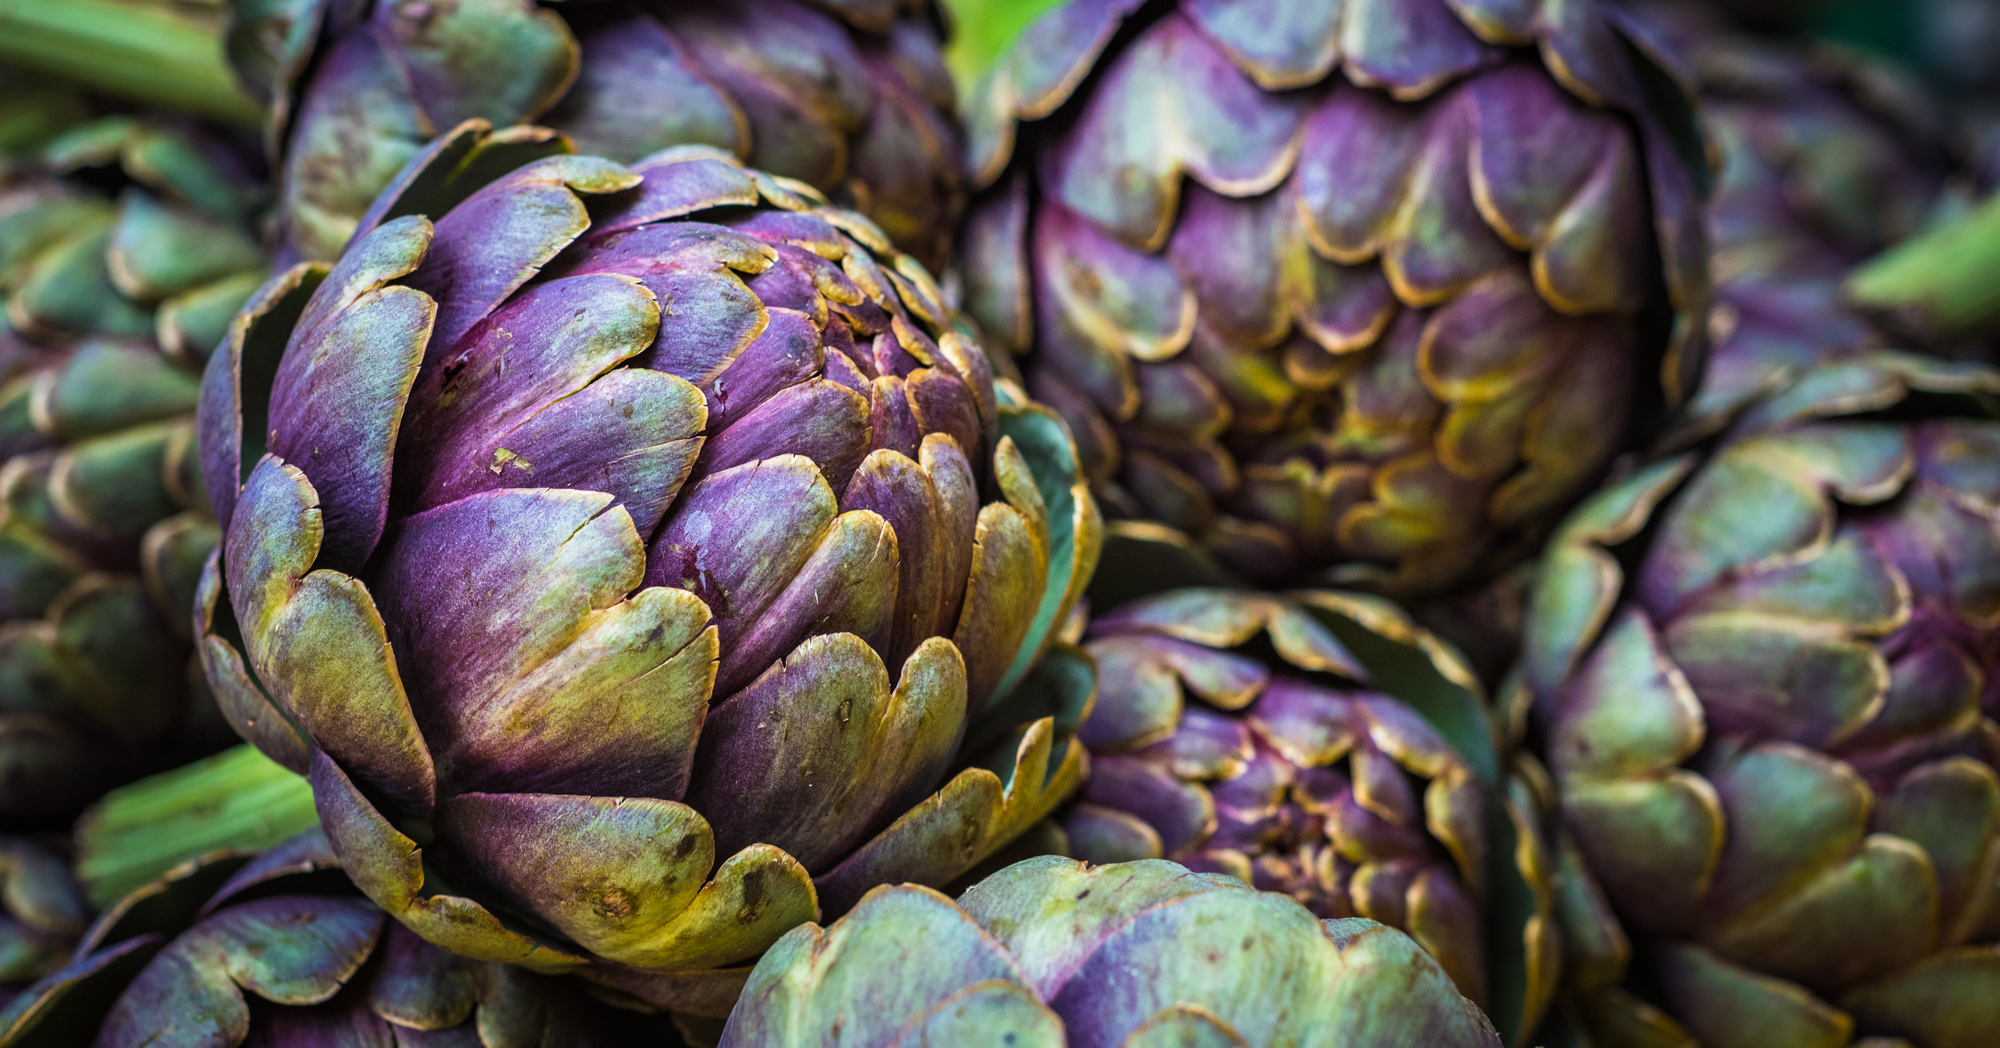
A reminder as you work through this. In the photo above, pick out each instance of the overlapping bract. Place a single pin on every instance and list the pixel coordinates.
(627, 554)
(278, 949)
(1286, 773)
(1775, 739)
(1827, 157)
(1052, 952)
(851, 97)
(112, 304)
(1354, 287)
(42, 913)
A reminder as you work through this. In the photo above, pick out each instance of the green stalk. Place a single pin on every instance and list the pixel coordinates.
(1940, 284)
(147, 51)
(981, 30)
(236, 800)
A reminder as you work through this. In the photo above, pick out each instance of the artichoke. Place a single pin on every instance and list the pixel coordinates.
(848, 95)
(628, 554)
(42, 913)
(278, 949)
(124, 250)
(1051, 952)
(1766, 683)
(1828, 156)
(1394, 319)
(1283, 774)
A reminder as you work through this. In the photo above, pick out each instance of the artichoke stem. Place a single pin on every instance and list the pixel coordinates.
(139, 49)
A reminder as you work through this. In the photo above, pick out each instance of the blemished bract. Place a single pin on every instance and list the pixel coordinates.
(1051, 952)
(850, 96)
(1362, 294)
(126, 244)
(1765, 676)
(653, 567)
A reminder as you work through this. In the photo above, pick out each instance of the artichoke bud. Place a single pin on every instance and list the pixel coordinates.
(646, 542)
(1319, 744)
(1765, 672)
(1365, 293)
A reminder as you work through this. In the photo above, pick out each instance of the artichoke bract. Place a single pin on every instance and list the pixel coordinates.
(628, 554)
(1766, 679)
(42, 913)
(125, 247)
(1051, 952)
(1237, 732)
(278, 949)
(1828, 157)
(851, 97)
(1355, 292)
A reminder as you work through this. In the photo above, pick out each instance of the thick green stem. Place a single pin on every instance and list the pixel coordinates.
(1941, 284)
(147, 51)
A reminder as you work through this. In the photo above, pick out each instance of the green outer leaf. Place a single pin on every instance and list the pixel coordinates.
(146, 51)
(1045, 442)
(237, 799)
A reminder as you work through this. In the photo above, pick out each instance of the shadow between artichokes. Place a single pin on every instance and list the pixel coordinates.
(1767, 676)
(628, 554)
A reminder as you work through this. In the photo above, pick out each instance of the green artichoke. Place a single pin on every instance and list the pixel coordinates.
(1394, 319)
(42, 913)
(848, 95)
(1767, 680)
(278, 949)
(1051, 952)
(1828, 156)
(629, 554)
(124, 249)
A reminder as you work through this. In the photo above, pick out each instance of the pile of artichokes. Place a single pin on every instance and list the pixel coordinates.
(1184, 522)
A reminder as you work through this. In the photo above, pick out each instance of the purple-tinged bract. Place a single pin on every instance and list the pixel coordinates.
(235, 951)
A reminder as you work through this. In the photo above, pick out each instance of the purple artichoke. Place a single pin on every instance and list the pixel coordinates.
(1050, 952)
(1775, 740)
(1239, 732)
(278, 949)
(124, 249)
(1828, 157)
(848, 95)
(630, 555)
(1393, 318)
